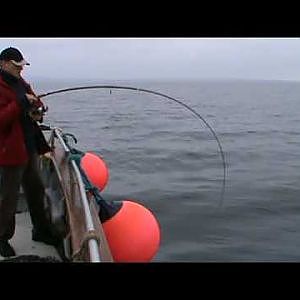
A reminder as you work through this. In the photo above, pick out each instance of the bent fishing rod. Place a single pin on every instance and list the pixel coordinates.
(195, 113)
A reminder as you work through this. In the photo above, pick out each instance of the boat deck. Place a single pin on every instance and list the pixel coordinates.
(24, 245)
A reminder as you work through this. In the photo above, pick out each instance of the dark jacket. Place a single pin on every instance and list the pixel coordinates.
(13, 150)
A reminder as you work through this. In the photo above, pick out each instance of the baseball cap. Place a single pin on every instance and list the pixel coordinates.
(14, 55)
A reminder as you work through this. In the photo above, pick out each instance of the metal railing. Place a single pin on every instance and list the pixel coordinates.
(92, 242)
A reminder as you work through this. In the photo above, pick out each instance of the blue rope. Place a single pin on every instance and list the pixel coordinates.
(107, 209)
(76, 155)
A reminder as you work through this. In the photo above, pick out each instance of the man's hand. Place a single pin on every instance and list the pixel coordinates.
(37, 110)
(31, 98)
(36, 116)
(47, 154)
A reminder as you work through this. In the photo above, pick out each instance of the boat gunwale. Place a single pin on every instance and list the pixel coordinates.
(94, 235)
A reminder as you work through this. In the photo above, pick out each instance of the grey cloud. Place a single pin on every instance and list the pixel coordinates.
(167, 58)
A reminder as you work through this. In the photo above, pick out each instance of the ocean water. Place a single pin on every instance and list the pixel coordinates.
(162, 156)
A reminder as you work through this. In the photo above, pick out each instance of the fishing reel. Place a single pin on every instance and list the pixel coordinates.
(37, 111)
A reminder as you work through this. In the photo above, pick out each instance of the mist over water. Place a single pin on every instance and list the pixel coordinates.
(159, 154)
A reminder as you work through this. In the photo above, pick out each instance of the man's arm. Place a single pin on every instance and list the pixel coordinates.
(39, 108)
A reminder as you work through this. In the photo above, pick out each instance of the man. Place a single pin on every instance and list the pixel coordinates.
(21, 143)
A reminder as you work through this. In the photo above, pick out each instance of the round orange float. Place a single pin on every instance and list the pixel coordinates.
(95, 169)
(133, 233)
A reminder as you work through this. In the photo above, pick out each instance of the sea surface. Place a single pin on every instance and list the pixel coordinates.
(165, 158)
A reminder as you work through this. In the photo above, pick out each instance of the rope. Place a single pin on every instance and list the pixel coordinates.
(77, 155)
(80, 253)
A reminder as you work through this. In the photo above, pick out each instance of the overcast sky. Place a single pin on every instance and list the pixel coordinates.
(159, 58)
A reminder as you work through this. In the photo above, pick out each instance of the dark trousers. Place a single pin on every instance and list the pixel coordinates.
(11, 178)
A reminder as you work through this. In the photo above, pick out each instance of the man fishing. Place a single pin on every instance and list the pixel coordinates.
(21, 143)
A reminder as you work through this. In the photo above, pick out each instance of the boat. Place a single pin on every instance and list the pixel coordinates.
(90, 229)
(71, 210)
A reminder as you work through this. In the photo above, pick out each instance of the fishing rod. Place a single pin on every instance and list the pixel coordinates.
(194, 112)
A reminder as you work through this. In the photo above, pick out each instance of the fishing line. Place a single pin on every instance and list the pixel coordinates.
(195, 113)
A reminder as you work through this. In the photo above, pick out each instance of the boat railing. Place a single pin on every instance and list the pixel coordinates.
(79, 207)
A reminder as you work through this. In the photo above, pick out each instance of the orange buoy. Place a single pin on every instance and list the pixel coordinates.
(133, 233)
(95, 169)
